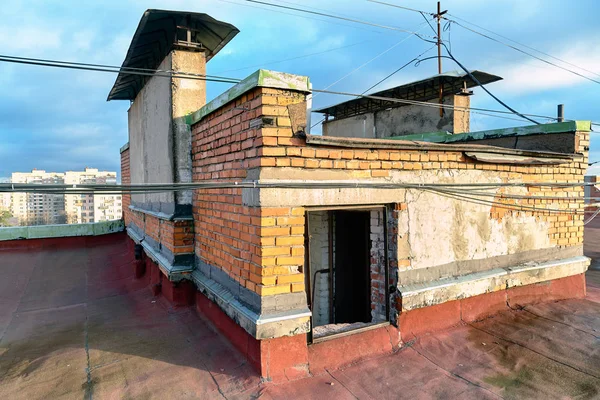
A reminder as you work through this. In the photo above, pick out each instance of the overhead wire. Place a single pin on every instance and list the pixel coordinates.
(220, 79)
(379, 82)
(120, 70)
(374, 58)
(294, 58)
(524, 45)
(443, 189)
(300, 16)
(587, 221)
(524, 52)
(112, 67)
(397, 70)
(439, 42)
(448, 26)
(402, 7)
(336, 17)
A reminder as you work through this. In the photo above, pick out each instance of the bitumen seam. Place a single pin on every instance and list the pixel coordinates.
(462, 378)
(561, 322)
(535, 351)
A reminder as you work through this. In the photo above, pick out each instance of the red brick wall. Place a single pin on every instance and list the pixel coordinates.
(177, 236)
(262, 249)
(566, 229)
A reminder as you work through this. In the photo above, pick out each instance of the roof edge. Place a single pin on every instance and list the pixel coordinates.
(543, 129)
(261, 78)
(361, 143)
(57, 231)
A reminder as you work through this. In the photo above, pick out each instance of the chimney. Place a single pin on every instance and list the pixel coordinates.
(170, 42)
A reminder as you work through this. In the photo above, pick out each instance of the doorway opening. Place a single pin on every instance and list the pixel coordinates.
(347, 270)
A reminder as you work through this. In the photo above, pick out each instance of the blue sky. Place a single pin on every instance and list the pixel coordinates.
(59, 120)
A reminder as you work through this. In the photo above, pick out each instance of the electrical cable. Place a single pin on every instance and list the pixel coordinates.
(524, 45)
(513, 207)
(397, 70)
(486, 89)
(524, 52)
(381, 81)
(69, 188)
(337, 17)
(301, 16)
(183, 75)
(402, 7)
(592, 217)
(294, 58)
(373, 59)
(429, 23)
(112, 70)
(421, 103)
(119, 69)
(435, 188)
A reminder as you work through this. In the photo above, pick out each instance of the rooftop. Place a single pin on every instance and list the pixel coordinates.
(542, 129)
(75, 323)
(156, 35)
(424, 90)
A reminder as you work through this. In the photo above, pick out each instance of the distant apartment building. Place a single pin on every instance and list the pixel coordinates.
(43, 209)
(5, 200)
(38, 208)
(83, 208)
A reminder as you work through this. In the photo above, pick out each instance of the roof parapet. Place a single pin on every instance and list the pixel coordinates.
(543, 129)
(261, 78)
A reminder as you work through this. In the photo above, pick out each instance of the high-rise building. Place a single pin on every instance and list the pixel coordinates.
(42, 209)
(38, 208)
(82, 208)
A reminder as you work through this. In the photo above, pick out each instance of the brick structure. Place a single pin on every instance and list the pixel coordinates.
(326, 232)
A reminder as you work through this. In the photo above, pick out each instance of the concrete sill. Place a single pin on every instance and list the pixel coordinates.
(369, 327)
(461, 287)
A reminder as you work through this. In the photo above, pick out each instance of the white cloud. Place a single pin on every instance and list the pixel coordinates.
(536, 76)
(28, 38)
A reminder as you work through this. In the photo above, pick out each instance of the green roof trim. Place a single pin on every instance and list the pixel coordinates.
(543, 129)
(54, 231)
(260, 78)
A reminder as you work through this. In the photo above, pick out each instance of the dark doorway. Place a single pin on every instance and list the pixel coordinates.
(352, 281)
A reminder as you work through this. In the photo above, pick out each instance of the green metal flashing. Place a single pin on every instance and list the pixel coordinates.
(124, 147)
(261, 78)
(544, 129)
(54, 231)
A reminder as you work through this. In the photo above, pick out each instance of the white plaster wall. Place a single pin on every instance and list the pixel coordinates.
(442, 230)
(434, 230)
(189, 95)
(405, 120)
(377, 235)
(319, 259)
(360, 126)
(150, 137)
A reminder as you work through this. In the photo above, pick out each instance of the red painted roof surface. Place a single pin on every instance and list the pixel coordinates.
(74, 323)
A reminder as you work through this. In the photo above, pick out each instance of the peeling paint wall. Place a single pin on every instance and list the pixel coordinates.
(150, 139)
(378, 265)
(318, 222)
(465, 230)
(160, 139)
(405, 120)
(188, 96)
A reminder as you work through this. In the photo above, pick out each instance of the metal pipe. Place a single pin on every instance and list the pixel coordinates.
(561, 113)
